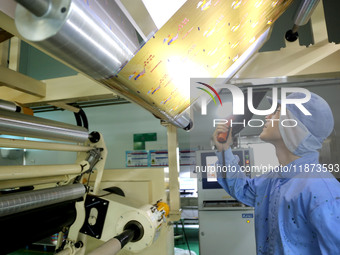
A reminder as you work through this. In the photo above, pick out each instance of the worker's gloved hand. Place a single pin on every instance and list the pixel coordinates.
(222, 130)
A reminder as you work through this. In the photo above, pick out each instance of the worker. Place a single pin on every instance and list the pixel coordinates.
(297, 209)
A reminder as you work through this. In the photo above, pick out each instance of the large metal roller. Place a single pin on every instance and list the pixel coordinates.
(13, 123)
(71, 32)
(24, 201)
(74, 34)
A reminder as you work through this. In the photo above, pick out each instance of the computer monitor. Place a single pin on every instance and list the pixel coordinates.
(207, 160)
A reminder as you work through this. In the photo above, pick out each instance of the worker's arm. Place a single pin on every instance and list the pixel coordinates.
(236, 183)
(229, 173)
(326, 221)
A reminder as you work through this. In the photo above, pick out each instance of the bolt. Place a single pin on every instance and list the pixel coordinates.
(79, 244)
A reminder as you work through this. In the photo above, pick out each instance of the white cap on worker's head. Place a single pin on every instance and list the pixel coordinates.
(310, 130)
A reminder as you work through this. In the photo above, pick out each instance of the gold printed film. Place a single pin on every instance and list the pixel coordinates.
(203, 39)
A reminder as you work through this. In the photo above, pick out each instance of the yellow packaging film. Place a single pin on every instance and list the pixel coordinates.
(203, 39)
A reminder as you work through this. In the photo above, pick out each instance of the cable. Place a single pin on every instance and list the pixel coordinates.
(78, 119)
(81, 119)
(84, 118)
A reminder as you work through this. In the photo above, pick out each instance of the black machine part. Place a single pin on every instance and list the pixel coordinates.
(137, 229)
(98, 207)
(24, 228)
(115, 190)
(125, 237)
(133, 232)
(94, 137)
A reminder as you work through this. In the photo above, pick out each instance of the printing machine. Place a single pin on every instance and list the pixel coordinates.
(101, 211)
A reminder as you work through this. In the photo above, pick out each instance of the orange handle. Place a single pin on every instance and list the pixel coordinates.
(222, 137)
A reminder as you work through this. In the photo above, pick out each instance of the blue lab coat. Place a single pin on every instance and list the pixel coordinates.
(296, 212)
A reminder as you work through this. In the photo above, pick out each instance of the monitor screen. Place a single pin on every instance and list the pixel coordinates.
(209, 174)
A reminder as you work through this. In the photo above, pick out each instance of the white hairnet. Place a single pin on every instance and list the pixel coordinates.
(311, 130)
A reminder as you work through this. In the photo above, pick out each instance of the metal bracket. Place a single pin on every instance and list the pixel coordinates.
(96, 209)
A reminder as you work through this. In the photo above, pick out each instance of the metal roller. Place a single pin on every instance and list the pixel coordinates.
(13, 123)
(305, 12)
(25, 144)
(9, 106)
(73, 33)
(24, 201)
(302, 16)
